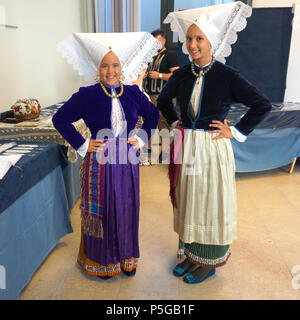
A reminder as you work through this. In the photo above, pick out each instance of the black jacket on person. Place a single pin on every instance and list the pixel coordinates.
(222, 86)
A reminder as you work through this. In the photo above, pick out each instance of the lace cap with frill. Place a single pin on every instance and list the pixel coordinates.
(220, 24)
(85, 51)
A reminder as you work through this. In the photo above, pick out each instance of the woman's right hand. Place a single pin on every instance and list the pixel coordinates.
(179, 123)
(140, 78)
(94, 145)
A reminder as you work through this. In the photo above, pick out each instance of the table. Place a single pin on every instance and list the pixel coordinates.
(42, 130)
(34, 214)
(274, 143)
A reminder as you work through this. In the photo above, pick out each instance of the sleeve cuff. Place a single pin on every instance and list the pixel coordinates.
(140, 141)
(82, 150)
(237, 134)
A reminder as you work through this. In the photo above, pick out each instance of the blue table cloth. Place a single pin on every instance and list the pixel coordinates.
(267, 149)
(34, 221)
(273, 144)
(31, 168)
(42, 160)
(71, 176)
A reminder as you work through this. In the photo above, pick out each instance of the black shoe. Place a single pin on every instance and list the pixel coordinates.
(130, 273)
(104, 278)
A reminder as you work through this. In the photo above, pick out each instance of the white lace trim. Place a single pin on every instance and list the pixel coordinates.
(236, 23)
(70, 51)
(175, 26)
(139, 60)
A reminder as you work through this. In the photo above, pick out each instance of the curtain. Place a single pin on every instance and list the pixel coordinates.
(117, 15)
(88, 15)
(133, 15)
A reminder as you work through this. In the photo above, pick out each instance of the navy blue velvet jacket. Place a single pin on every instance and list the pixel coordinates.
(222, 86)
(93, 106)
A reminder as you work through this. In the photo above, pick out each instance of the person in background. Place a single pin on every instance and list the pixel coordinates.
(159, 71)
(202, 182)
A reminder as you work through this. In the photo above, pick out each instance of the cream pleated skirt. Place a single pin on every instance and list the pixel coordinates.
(206, 210)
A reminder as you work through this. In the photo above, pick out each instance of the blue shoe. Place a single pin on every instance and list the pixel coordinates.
(104, 278)
(178, 272)
(188, 278)
(130, 273)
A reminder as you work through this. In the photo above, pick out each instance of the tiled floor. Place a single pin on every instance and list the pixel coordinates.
(260, 267)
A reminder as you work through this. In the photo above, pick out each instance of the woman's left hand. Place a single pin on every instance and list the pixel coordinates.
(223, 129)
(133, 141)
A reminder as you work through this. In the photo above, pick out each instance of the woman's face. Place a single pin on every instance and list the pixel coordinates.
(110, 69)
(198, 45)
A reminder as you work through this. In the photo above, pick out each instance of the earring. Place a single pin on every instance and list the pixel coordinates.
(97, 78)
(122, 78)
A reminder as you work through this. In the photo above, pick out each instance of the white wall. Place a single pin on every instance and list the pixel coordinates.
(30, 66)
(292, 92)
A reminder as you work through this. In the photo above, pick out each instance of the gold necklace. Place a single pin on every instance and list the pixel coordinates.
(110, 95)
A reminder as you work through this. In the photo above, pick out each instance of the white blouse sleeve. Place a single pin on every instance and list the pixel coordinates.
(237, 134)
(140, 142)
(82, 150)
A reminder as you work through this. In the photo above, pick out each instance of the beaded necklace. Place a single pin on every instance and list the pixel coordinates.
(201, 72)
(110, 95)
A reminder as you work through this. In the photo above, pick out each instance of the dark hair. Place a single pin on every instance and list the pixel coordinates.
(158, 32)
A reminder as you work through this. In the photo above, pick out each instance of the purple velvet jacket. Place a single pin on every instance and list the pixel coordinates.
(93, 106)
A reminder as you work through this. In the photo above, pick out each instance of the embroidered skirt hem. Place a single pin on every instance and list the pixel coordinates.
(111, 270)
(94, 268)
(206, 256)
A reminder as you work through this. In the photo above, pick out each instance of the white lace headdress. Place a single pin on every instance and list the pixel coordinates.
(85, 51)
(220, 24)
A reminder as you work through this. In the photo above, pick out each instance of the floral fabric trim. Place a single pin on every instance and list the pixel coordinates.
(207, 263)
(107, 271)
(206, 256)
